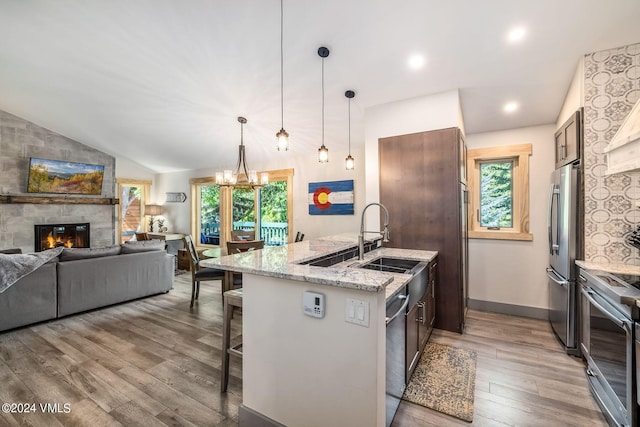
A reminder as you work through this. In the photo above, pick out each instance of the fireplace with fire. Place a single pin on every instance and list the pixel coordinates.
(49, 236)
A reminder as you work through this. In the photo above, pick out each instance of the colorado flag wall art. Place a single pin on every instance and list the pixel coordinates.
(331, 198)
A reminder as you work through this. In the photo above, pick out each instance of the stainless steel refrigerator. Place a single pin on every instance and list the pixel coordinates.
(563, 229)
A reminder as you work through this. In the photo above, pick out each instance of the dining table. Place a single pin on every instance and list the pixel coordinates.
(214, 252)
(218, 252)
(227, 283)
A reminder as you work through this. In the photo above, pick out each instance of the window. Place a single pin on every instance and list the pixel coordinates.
(498, 181)
(274, 213)
(134, 194)
(216, 211)
(244, 209)
(208, 200)
(496, 194)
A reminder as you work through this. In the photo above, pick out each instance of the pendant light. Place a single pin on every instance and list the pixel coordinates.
(323, 152)
(349, 162)
(241, 177)
(282, 136)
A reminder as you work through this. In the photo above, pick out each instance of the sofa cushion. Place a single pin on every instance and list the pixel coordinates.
(11, 251)
(143, 246)
(72, 254)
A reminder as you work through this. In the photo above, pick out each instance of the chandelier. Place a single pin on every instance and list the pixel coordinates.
(241, 177)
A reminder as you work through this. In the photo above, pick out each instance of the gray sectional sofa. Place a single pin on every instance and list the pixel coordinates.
(84, 279)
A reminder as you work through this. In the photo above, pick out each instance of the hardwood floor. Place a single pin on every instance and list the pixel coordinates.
(523, 377)
(155, 362)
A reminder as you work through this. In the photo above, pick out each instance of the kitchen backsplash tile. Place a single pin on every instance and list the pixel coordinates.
(612, 87)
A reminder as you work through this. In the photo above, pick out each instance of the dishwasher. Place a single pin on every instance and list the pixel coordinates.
(395, 353)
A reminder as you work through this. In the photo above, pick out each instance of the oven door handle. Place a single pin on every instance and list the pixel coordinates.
(619, 321)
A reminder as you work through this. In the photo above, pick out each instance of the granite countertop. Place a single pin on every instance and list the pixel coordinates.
(283, 262)
(628, 269)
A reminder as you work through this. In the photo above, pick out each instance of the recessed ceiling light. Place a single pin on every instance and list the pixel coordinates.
(416, 61)
(516, 34)
(510, 107)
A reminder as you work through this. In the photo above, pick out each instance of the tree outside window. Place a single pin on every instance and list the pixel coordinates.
(496, 194)
(498, 184)
(267, 210)
(209, 214)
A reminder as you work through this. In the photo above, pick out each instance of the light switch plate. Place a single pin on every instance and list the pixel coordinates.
(357, 312)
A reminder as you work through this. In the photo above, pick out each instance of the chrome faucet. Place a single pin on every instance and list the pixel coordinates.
(384, 233)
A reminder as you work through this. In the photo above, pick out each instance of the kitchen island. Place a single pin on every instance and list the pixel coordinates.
(305, 371)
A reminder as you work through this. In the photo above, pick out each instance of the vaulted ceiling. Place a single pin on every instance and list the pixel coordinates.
(162, 81)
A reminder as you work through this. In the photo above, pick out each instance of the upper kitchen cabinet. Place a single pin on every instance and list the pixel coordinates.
(568, 139)
(623, 152)
(422, 186)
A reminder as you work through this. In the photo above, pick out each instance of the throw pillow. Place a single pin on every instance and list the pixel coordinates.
(11, 251)
(72, 254)
(143, 246)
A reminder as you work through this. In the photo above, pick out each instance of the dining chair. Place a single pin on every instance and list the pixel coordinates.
(198, 273)
(234, 280)
(243, 234)
(232, 300)
(142, 236)
(235, 247)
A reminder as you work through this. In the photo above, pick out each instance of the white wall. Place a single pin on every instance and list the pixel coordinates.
(306, 169)
(575, 95)
(312, 372)
(126, 168)
(513, 272)
(413, 115)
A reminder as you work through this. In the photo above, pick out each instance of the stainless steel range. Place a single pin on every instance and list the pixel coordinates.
(608, 330)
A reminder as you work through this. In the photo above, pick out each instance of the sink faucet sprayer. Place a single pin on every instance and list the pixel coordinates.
(384, 233)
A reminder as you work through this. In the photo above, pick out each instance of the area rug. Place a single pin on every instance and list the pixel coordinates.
(444, 380)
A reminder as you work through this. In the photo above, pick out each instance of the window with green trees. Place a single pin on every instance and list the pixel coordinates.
(274, 212)
(273, 202)
(209, 213)
(498, 185)
(244, 205)
(267, 210)
(496, 194)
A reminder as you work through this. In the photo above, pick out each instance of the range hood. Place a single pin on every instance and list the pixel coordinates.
(623, 152)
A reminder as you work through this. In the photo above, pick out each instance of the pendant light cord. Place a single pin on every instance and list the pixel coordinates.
(349, 126)
(281, 65)
(323, 102)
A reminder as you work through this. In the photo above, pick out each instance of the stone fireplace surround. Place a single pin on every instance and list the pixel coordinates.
(20, 140)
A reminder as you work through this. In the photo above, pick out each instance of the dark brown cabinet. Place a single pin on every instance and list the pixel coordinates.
(420, 322)
(568, 140)
(422, 186)
(427, 318)
(413, 338)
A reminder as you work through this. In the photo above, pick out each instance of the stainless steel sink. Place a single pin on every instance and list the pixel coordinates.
(391, 265)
